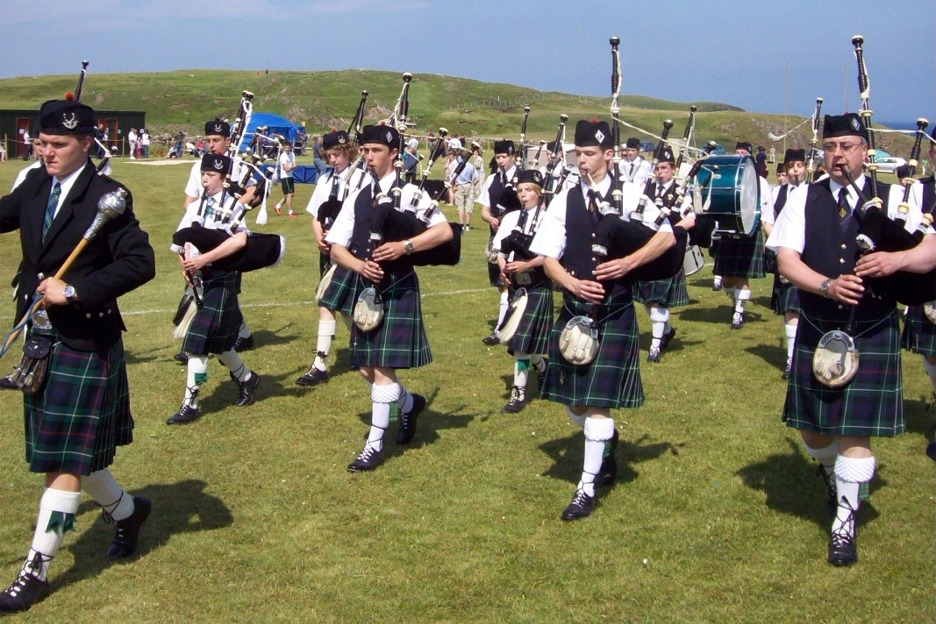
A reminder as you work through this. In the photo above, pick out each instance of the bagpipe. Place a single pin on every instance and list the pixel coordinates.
(328, 211)
(877, 232)
(261, 250)
(389, 223)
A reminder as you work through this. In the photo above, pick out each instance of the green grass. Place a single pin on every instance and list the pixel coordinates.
(185, 99)
(256, 520)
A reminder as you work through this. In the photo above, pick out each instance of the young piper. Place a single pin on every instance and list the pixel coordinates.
(215, 325)
(340, 151)
(522, 269)
(658, 296)
(816, 240)
(612, 379)
(80, 415)
(497, 198)
(785, 296)
(400, 340)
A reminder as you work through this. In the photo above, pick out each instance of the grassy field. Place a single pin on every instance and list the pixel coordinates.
(177, 100)
(718, 515)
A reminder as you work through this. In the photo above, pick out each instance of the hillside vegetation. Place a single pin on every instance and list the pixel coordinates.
(184, 99)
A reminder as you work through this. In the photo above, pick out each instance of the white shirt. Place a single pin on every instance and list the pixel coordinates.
(191, 216)
(324, 186)
(550, 239)
(790, 229)
(512, 219)
(484, 198)
(636, 171)
(769, 215)
(193, 188)
(66, 185)
(286, 159)
(25, 172)
(341, 231)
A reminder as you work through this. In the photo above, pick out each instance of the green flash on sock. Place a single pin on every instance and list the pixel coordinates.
(60, 519)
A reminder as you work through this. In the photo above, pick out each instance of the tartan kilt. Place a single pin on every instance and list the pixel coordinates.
(342, 292)
(216, 324)
(871, 404)
(400, 341)
(740, 256)
(784, 298)
(613, 378)
(532, 335)
(672, 292)
(82, 414)
(919, 333)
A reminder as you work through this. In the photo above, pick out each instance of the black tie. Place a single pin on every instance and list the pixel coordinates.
(632, 172)
(503, 178)
(592, 201)
(844, 208)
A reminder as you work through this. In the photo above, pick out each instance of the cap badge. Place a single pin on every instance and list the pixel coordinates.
(70, 120)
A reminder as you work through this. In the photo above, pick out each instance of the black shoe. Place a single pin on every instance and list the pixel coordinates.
(313, 377)
(843, 549)
(128, 530)
(581, 506)
(608, 471)
(367, 460)
(541, 375)
(246, 389)
(654, 355)
(737, 320)
(667, 338)
(244, 344)
(931, 450)
(7, 383)
(516, 403)
(490, 340)
(181, 357)
(186, 414)
(407, 429)
(25, 591)
(788, 369)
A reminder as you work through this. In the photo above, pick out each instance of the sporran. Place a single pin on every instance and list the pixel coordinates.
(369, 310)
(512, 318)
(578, 341)
(835, 361)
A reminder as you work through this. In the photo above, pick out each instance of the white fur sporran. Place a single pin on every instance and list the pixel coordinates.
(929, 310)
(835, 360)
(369, 310)
(324, 283)
(512, 318)
(490, 252)
(578, 342)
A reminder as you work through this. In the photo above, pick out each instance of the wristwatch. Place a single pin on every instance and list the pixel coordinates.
(824, 287)
(70, 295)
(408, 246)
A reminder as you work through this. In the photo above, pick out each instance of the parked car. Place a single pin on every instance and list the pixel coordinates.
(889, 164)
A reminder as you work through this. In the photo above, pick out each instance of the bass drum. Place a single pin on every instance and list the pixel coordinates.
(693, 261)
(730, 190)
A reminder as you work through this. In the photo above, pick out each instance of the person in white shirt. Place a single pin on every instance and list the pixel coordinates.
(286, 163)
(399, 340)
(633, 167)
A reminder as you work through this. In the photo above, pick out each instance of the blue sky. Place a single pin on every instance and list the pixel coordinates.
(730, 51)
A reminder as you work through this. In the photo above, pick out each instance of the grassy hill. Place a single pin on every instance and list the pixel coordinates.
(184, 99)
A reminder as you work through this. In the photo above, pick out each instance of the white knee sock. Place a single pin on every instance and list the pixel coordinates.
(106, 492)
(850, 473)
(57, 511)
(244, 331)
(790, 331)
(504, 304)
(326, 334)
(235, 364)
(381, 398)
(197, 375)
(825, 455)
(597, 432)
(521, 369)
(659, 316)
(742, 295)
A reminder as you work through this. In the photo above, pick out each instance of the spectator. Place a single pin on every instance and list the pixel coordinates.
(132, 141)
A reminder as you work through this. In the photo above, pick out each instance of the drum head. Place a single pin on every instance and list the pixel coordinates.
(748, 195)
(693, 261)
(835, 360)
(578, 342)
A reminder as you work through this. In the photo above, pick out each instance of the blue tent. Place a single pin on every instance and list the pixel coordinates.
(275, 125)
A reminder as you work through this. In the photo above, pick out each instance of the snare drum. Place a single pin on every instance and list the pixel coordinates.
(731, 193)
